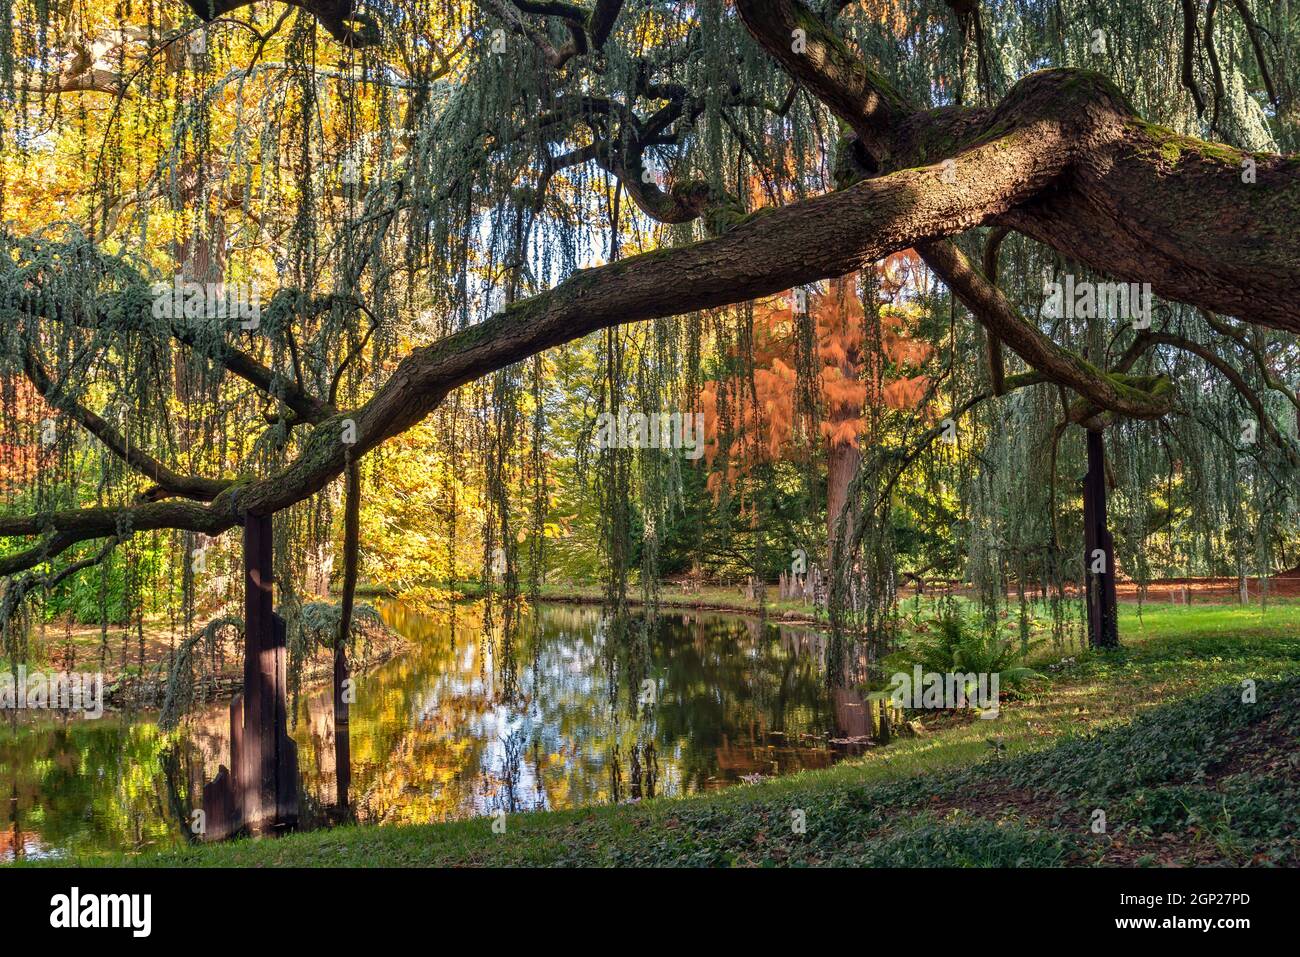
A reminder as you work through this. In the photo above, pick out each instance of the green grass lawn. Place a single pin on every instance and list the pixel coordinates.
(1155, 735)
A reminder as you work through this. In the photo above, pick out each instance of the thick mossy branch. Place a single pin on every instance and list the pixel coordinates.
(1131, 203)
(1001, 320)
(810, 49)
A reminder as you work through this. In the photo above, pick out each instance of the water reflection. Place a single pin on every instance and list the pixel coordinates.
(467, 722)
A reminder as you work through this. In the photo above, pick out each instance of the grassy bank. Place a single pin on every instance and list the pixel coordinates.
(1182, 775)
(702, 597)
(732, 598)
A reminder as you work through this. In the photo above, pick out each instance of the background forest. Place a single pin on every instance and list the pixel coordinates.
(379, 193)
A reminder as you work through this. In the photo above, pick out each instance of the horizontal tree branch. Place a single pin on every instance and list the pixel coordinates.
(1203, 223)
(769, 252)
(341, 18)
(168, 481)
(1248, 395)
(1110, 392)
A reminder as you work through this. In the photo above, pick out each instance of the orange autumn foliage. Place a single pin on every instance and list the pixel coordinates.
(21, 458)
(764, 415)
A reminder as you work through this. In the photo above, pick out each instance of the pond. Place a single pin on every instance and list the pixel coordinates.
(462, 723)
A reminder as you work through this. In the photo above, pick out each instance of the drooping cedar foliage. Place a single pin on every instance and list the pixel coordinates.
(452, 160)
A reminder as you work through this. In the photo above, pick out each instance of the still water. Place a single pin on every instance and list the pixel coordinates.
(461, 723)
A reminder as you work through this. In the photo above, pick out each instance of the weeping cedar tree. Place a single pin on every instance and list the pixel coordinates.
(506, 142)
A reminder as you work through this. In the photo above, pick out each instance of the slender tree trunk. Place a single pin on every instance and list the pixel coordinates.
(351, 543)
(258, 752)
(841, 465)
(1099, 551)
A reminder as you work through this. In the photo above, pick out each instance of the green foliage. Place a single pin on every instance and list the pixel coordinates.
(104, 594)
(319, 621)
(1167, 773)
(926, 842)
(950, 642)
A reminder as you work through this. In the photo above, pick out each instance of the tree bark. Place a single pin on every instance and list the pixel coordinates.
(1099, 551)
(1135, 201)
(841, 466)
(268, 785)
(351, 546)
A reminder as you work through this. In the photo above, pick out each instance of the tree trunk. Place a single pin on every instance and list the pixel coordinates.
(271, 759)
(1099, 551)
(841, 465)
(260, 792)
(351, 544)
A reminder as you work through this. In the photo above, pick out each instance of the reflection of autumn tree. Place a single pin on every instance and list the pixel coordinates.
(741, 699)
(410, 763)
(85, 785)
(725, 694)
(863, 357)
(437, 735)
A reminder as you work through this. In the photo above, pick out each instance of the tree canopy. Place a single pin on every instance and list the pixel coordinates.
(245, 245)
